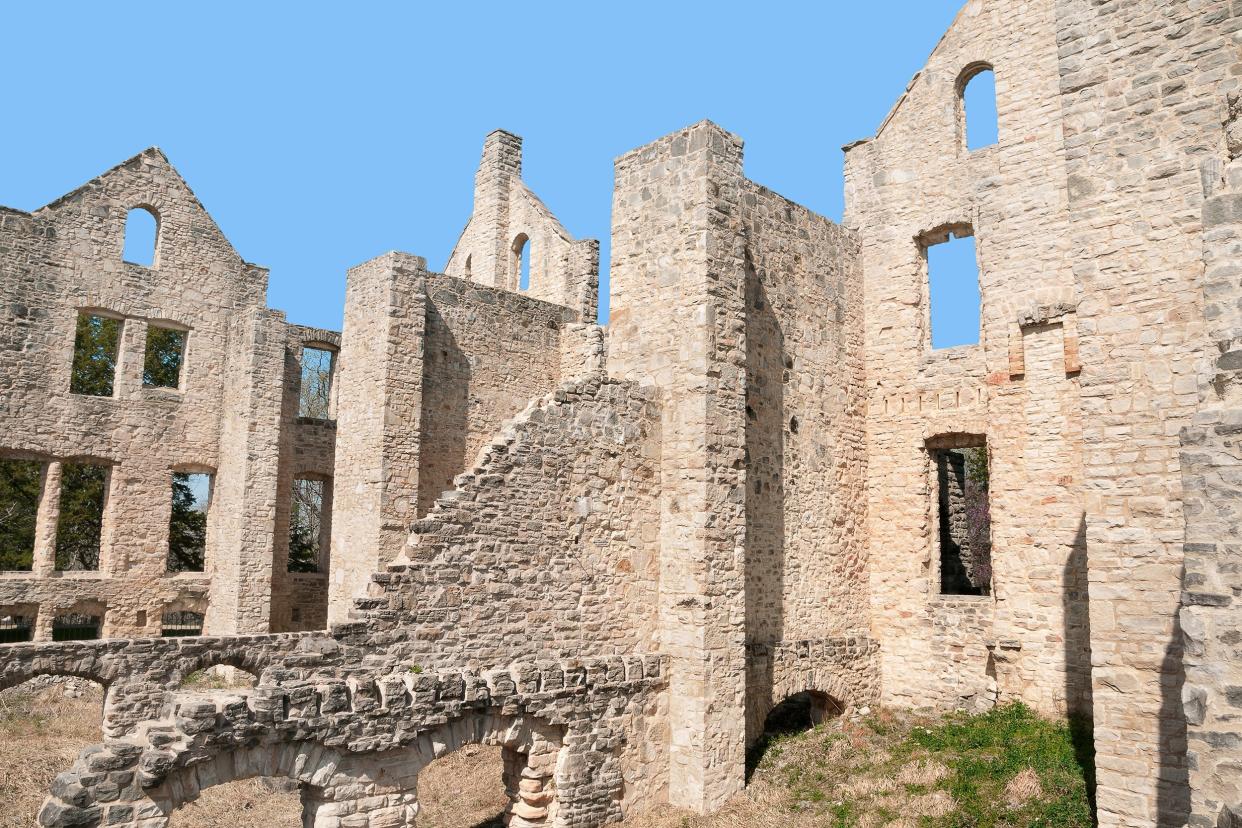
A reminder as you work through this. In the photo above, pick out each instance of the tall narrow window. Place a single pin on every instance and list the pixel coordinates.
(306, 525)
(521, 261)
(187, 527)
(141, 231)
(963, 518)
(315, 392)
(96, 344)
(161, 365)
(83, 493)
(20, 484)
(979, 108)
(953, 288)
(76, 626)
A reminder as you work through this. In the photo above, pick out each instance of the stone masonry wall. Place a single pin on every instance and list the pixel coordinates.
(909, 187)
(1143, 87)
(1210, 617)
(67, 256)
(547, 546)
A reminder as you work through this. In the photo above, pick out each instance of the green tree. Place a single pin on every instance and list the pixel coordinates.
(161, 366)
(96, 344)
(19, 506)
(304, 525)
(187, 528)
(82, 492)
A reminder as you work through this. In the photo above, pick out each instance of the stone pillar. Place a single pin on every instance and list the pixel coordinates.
(379, 400)
(582, 290)
(678, 324)
(500, 166)
(241, 523)
(44, 562)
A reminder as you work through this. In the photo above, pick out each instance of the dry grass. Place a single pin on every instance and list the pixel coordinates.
(249, 803)
(1023, 788)
(463, 790)
(43, 732)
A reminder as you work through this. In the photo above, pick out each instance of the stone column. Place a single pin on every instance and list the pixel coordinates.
(243, 513)
(379, 400)
(678, 324)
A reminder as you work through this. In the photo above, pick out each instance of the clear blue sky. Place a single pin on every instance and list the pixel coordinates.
(321, 135)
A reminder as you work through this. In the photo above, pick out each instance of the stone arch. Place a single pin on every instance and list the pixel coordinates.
(519, 271)
(235, 655)
(793, 673)
(141, 244)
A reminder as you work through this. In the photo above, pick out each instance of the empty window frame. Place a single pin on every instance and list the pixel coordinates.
(977, 102)
(181, 623)
(83, 495)
(953, 293)
(16, 627)
(306, 525)
(21, 482)
(96, 345)
(76, 626)
(142, 229)
(963, 517)
(165, 352)
(315, 390)
(187, 524)
(520, 264)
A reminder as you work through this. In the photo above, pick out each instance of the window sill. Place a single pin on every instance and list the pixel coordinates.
(316, 421)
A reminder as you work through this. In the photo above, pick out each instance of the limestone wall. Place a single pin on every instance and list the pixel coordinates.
(1143, 87)
(546, 548)
(907, 188)
(224, 418)
(431, 367)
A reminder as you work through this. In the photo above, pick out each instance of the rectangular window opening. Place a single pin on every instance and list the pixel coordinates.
(182, 623)
(953, 290)
(21, 482)
(161, 365)
(16, 628)
(96, 344)
(306, 526)
(76, 627)
(964, 522)
(315, 391)
(83, 494)
(187, 525)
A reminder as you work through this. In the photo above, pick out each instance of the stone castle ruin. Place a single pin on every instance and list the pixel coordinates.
(613, 551)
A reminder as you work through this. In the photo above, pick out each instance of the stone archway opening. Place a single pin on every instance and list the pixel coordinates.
(797, 713)
(465, 789)
(44, 722)
(259, 802)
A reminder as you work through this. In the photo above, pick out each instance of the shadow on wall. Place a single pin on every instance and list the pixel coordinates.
(1173, 785)
(446, 411)
(765, 454)
(1076, 615)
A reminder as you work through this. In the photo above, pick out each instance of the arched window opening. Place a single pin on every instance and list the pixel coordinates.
(468, 788)
(44, 723)
(142, 228)
(274, 802)
(953, 287)
(981, 123)
(520, 266)
(315, 387)
(96, 348)
(466, 273)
